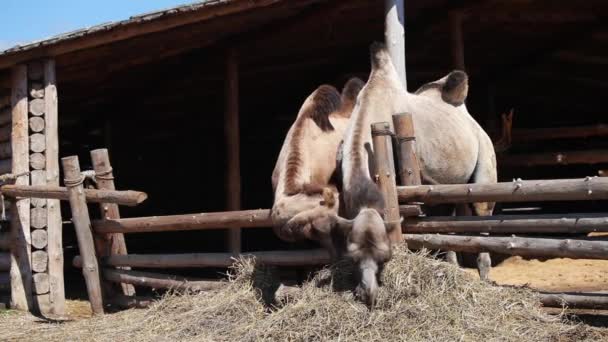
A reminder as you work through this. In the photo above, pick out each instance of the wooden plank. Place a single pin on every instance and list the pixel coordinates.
(394, 35)
(233, 154)
(386, 179)
(591, 188)
(104, 177)
(51, 160)
(509, 224)
(160, 281)
(585, 157)
(276, 258)
(534, 247)
(21, 272)
(82, 225)
(593, 301)
(121, 197)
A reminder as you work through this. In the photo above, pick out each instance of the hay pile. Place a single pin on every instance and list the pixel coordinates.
(422, 299)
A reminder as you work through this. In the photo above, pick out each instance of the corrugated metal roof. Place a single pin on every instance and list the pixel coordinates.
(112, 25)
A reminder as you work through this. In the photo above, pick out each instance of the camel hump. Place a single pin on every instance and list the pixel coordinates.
(324, 101)
(379, 55)
(349, 94)
(456, 88)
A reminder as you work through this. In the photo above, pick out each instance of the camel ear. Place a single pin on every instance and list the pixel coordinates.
(343, 225)
(456, 88)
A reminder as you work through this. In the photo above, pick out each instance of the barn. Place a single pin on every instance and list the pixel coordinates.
(193, 102)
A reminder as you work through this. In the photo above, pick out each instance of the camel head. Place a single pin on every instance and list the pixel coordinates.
(369, 247)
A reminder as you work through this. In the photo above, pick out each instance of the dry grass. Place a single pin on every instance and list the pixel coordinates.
(422, 300)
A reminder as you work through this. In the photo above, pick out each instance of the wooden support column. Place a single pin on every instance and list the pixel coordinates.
(457, 40)
(394, 35)
(385, 177)
(21, 268)
(114, 243)
(54, 222)
(232, 134)
(409, 168)
(82, 225)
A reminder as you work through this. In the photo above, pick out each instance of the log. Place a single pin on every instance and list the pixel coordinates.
(54, 222)
(5, 116)
(40, 261)
(82, 225)
(38, 178)
(509, 224)
(6, 166)
(5, 262)
(5, 133)
(217, 220)
(41, 283)
(38, 217)
(394, 36)
(36, 124)
(5, 241)
(6, 150)
(410, 210)
(36, 90)
(37, 107)
(518, 191)
(114, 243)
(120, 197)
(385, 176)
(131, 302)
(37, 161)
(40, 238)
(233, 154)
(553, 133)
(592, 301)
(586, 157)
(21, 272)
(37, 142)
(409, 168)
(535, 247)
(160, 281)
(276, 258)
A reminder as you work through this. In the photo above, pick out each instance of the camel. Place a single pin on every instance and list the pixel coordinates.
(306, 203)
(451, 146)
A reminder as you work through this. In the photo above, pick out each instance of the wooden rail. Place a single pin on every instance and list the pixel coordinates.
(591, 188)
(509, 224)
(575, 300)
(560, 248)
(158, 280)
(124, 197)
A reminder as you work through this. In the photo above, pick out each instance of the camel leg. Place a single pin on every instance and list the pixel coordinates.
(451, 257)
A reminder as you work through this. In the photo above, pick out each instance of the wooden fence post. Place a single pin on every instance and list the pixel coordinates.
(82, 224)
(409, 169)
(21, 267)
(385, 175)
(114, 243)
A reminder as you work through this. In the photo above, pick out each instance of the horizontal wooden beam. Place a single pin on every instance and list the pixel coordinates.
(277, 258)
(586, 157)
(121, 197)
(159, 281)
(591, 188)
(541, 134)
(535, 247)
(509, 224)
(596, 301)
(131, 302)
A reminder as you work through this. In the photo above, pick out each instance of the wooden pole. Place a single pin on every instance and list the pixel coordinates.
(104, 177)
(457, 40)
(126, 302)
(509, 224)
(124, 197)
(232, 133)
(593, 301)
(409, 168)
(159, 281)
(394, 35)
(590, 188)
(82, 225)
(536, 247)
(276, 258)
(54, 222)
(21, 269)
(385, 175)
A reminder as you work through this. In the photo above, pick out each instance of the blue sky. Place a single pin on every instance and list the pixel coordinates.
(22, 21)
